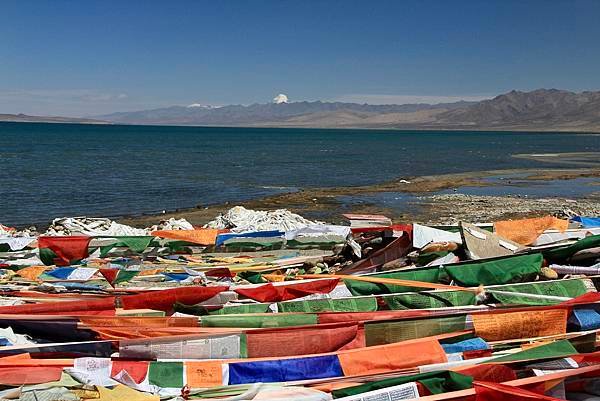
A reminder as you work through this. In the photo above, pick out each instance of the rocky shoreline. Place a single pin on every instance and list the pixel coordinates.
(426, 204)
(452, 208)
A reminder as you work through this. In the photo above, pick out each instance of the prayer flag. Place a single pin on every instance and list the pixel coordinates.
(281, 370)
(166, 374)
(504, 270)
(286, 292)
(63, 251)
(501, 392)
(526, 231)
(203, 236)
(165, 299)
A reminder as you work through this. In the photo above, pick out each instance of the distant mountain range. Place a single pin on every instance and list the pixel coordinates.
(272, 114)
(24, 118)
(542, 109)
(539, 110)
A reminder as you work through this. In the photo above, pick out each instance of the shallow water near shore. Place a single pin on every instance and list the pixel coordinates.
(54, 170)
(514, 185)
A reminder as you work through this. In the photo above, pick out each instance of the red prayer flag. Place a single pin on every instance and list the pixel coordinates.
(280, 342)
(277, 293)
(407, 228)
(588, 298)
(396, 249)
(220, 272)
(165, 299)
(136, 369)
(67, 249)
(109, 274)
(485, 391)
(60, 307)
(592, 358)
(489, 373)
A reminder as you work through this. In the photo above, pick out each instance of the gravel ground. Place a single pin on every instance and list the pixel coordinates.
(452, 208)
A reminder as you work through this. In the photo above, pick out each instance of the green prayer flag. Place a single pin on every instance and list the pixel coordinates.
(166, 374)
(436, 382)
(505, 270)
(368, 304)
(135, 243)
(241, 309)
(243, 345)
(429, 300)
(125, 275)
(429, 275)
(259, 321)
(252, 277)
(47, 256)
(557, 349)
(176, 246)
(378, 333)
(428, 257)
(564, 252)
(560, 288)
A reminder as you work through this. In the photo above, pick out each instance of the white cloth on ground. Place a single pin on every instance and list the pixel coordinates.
(423, 235)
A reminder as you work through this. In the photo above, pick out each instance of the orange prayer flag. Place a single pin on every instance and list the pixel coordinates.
(274, 277)
(526, 231)
(149, 272)
(390, 357)
(204, 373)
(23, 363)
(328, 387)
(17, 356)
(511, 325)
(202, 236)
(31, 272)
(139, 321)
(18, 376)
(135, 332)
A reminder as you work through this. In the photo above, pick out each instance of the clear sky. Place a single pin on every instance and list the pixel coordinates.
(93, 57)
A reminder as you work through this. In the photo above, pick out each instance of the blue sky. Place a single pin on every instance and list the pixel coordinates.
(93, 57)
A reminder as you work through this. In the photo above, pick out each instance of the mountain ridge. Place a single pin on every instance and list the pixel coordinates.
(537, 110)
(25, 118)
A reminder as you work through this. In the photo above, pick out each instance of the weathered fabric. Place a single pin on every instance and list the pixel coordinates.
(430, 275)
(165, 299)
(511, 269)
(435, 382)
(330, 305)
(526, 231)
(287, 291)
(429, 300)
(204, 236)
(565, 252)
(378, 333)
(257, 321)
(63, 251)
(135, 244)
(560, 288)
